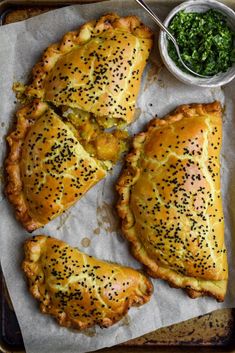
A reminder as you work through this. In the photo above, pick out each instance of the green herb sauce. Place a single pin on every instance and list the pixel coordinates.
(205, 41)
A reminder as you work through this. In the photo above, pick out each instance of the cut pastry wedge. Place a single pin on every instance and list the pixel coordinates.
(48, 168)
(170, 200)
(81, 291)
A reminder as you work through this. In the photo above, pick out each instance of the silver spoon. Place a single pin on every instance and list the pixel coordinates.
(170, 36)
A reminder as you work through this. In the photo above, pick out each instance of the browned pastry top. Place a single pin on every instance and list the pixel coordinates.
(96, 69)
(170, 199)
(48, 169)
(90, 81)
(79, 290)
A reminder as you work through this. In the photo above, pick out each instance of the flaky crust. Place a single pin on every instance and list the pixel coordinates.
(97, 68)
(79, 290)
(47, 168)
(170, 200)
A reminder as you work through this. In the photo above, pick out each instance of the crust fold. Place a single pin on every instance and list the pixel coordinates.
(173, 165)
(26, 117)
(96, 69)
(79, 290)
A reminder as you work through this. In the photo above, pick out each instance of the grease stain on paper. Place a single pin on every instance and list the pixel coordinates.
(63, 218)
(152, 73)
(126, 321)
(96, 231)
(107, 218)
(85, 242)
(137, 114)
(90, 332)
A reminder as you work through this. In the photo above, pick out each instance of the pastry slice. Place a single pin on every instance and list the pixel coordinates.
(79, 290)
(48, 169)
(96, 70)
(170, 200)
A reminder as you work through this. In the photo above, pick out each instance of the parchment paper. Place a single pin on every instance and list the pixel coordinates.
(92, 224)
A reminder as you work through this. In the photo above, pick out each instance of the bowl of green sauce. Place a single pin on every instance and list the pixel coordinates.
(205, 33)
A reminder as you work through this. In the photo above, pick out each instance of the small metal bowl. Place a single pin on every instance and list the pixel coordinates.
(197, 6)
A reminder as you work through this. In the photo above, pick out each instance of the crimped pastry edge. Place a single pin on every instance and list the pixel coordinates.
(128, 178)
(26, 117)
(63, 319)
(90, 29)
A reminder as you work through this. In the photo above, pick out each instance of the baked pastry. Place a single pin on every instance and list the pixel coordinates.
(24, 13)
(91, 80)
(96, 69)
(48, 169)
(79, 290)
(170, 200)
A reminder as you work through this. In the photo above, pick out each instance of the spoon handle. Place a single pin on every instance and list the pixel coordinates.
(156, 19)
(170, 36)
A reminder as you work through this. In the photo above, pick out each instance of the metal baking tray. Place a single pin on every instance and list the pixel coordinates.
(17, 10)
(214, 331)
(207, 333)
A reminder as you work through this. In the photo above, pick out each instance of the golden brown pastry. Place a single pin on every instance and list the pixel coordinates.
(79, 290)
(48, 169)
(170, 200)
(91, 79)
(96, 69)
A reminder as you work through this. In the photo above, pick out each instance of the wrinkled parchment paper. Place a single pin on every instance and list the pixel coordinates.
(92, 224)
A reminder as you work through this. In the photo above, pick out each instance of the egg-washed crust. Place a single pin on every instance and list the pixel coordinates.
(47, 168)
(199, 275)
(97, 68)
(81, 291)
